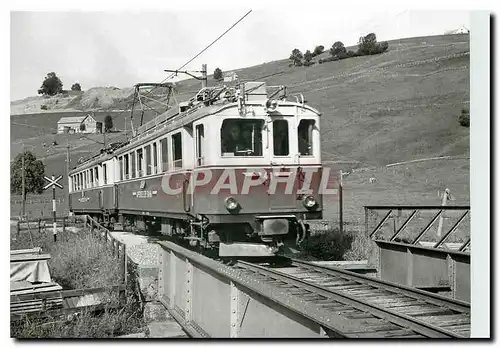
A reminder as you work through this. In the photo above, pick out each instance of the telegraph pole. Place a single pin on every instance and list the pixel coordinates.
(67, 175)
(23, 185)
(204, 79)
(341, 204)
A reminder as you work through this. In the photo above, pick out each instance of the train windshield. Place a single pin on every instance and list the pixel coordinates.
(241, 137)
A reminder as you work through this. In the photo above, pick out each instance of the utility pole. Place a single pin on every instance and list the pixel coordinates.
(204, 79)
(23, 185)
(67, 176)
(341, 205)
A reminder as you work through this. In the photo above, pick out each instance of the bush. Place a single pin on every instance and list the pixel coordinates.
(44, 107)
(307, 57)
(320, 61)
(464, 118)
(308, 63)
(328, 246)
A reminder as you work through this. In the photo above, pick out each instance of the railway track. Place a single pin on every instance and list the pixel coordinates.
(382, 309)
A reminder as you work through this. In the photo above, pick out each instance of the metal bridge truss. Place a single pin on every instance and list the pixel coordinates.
(405, 257)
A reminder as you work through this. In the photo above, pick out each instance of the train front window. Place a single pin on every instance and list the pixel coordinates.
(305, 138)
(280, 138)
(241, 137)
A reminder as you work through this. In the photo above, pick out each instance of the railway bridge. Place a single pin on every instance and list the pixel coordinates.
(420, 290)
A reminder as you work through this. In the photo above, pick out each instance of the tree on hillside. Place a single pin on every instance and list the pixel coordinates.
(108, 123)
(34, 171)
(337, 49)
(218, 74)
(51, 85)
(368, 45)
(296, 57)
(307, 57)
(76, 87)
(318, 50)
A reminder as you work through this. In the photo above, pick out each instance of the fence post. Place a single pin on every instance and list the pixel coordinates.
(39, 225)
(18, 227)
(64, 225)
(123, 294)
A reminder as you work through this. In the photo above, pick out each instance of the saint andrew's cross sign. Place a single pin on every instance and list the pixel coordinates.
(52, 182)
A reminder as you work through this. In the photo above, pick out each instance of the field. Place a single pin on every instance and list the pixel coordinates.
(398, 106)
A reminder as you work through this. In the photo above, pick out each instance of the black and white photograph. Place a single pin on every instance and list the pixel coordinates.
(226, 170)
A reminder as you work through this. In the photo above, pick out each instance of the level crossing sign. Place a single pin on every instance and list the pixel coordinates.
(53, 182)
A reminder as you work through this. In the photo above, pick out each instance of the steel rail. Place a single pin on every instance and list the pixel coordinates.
(398, 319)
(418, 294)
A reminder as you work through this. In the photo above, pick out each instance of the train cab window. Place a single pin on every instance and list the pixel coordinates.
(305, 139)
(200, 139)
(140, 157)
(132, 164)
(148, 160)
(91, 177)
(241, 137)
(280, 138)
(120, 161)
(164, 154)
(155, 159)
(177, 150)
(85, 180)
(126, 164)
(81, 182)
(105, 174)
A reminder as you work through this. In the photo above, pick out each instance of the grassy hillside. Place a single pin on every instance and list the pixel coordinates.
(397, 106)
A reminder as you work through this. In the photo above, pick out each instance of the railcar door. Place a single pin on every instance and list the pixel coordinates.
(282, 184)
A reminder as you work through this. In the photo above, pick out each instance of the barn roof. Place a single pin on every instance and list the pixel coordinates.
(74, 119)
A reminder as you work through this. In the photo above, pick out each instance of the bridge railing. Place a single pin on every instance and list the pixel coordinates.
(427, 247)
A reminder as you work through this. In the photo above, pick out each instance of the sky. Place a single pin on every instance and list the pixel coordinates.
(123, 48)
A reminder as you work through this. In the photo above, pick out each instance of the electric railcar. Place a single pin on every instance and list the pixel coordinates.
(232, 169)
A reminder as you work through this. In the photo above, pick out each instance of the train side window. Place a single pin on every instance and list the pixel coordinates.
(280, 141)
(91, 177)
(85, 180)
(105, 173)
(96, 176)
(120, 161)
(164, 154)
(140, 157)
(305, 138)
(126, 164)
(81, 181)
(200, 140)
(148, 160)
(132, 164)
(155, 158)
(177, 150)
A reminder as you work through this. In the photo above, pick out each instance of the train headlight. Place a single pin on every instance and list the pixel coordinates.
(231, 203)
(309, 202)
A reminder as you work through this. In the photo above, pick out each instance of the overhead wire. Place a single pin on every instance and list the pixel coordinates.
(189, 61)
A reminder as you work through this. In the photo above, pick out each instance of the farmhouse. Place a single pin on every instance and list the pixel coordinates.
(74, 125)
